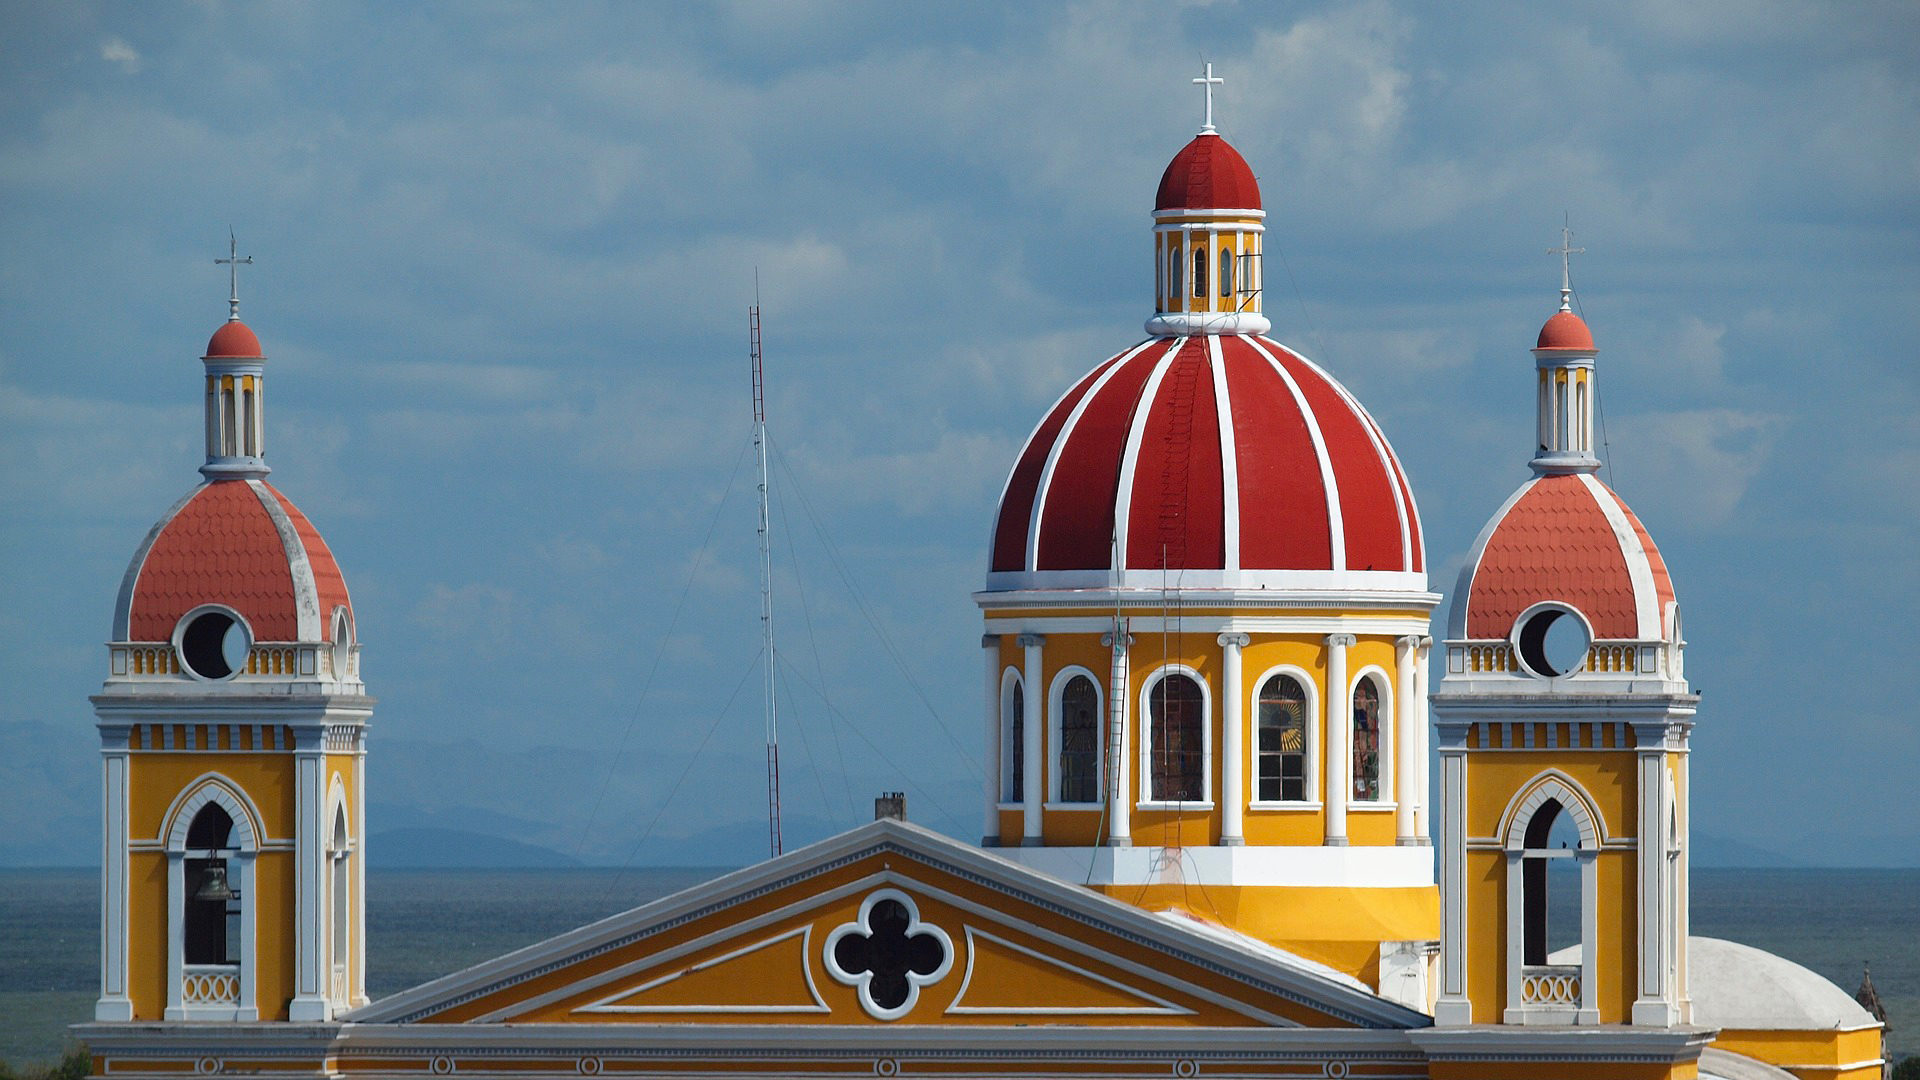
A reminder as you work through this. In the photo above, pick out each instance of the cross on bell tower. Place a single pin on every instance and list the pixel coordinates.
(1208, 82)
(1566, 251)
(232, 263)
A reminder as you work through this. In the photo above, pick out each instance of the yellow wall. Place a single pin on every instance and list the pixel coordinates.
(1811, 1055)
(155, 781)
(1366, 825)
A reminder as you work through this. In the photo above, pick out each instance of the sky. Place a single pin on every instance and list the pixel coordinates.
(504, 256)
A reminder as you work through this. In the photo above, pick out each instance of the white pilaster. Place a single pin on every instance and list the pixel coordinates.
(1653, 1006)
(1233, 737)
(176, 932)
(1423, 783)
(358, 989)
(1405, 721)
(1034, 776)
(309, 853)
(1339, 738)
(1515, 944)
(990, 824)
(242, 867)
(114, 1004)
(1589, 1010)
(1453, 1006)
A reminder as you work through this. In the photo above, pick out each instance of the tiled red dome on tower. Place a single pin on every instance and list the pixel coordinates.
(1222, 453)
(241, 544)
(234, 339)
(1565, 330)
(1565, 537)
(1207, 174)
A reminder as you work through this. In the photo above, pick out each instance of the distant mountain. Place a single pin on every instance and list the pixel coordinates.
(450, 849)
(1713, 851)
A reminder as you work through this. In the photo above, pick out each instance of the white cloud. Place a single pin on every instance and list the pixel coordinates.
(1691, 469)
(117, 51)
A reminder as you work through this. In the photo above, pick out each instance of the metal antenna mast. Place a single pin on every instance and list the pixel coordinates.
(766, 576)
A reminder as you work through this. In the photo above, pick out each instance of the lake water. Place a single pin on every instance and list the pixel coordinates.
(426, 923)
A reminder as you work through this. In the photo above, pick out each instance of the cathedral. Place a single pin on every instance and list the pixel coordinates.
(1211, 689)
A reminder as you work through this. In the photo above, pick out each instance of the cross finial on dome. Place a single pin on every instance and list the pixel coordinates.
(1208, 82)
(232, 263)
(1566, 251)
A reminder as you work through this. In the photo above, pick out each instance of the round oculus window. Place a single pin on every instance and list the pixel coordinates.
(1552, 641)
(214, 644)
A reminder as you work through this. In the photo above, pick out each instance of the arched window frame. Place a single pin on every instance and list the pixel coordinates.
(1144, 769)
(1315, 740)
(1200, 271)
(1383, 685)
(245, 838)
(1173, 274)
(1056, 738)
(1225, 273)
(341, 861)
(341, 642)
(1555, 786)
(1012, 745)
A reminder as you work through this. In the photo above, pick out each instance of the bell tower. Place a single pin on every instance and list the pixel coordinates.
(1563, 717)
(232, 737)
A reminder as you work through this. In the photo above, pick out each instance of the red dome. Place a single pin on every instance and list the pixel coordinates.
(1224, 456)
(233, 339)
(239, 543)
(1564, 537)
(1566, 331)
(1207, 174)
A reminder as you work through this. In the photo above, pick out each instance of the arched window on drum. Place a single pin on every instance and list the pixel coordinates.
(1366, 740)
(1282, 720)
(1013, 729)
(1079, 741)
(1176, 739)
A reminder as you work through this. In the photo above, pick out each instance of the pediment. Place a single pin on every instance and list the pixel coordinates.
(892, 923)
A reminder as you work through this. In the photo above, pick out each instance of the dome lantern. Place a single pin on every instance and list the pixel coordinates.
(1206, 238)
(236, 370)
(1563, 357)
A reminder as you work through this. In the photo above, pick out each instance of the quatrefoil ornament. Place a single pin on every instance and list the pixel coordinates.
(888, 954)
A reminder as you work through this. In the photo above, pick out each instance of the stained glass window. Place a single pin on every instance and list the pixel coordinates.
(1177, 752)
(1283, 741)
(1366, 741)
(1079, 741)
(1016, 727)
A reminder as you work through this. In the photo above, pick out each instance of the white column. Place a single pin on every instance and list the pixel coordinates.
(1339, 733)
(1683, 888)
(1453, 1006)
(309, 854)
(1652, 1006)
(358, 988)
(242, 866)
(1233, 737)
(176, 932)
(1516, 936)
(114, 1004)
(1589, 1008)
(1186, 268)
(1033, 785)
(990, 824)
(1406, 658)
(1119, 744)
(1422, 827)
